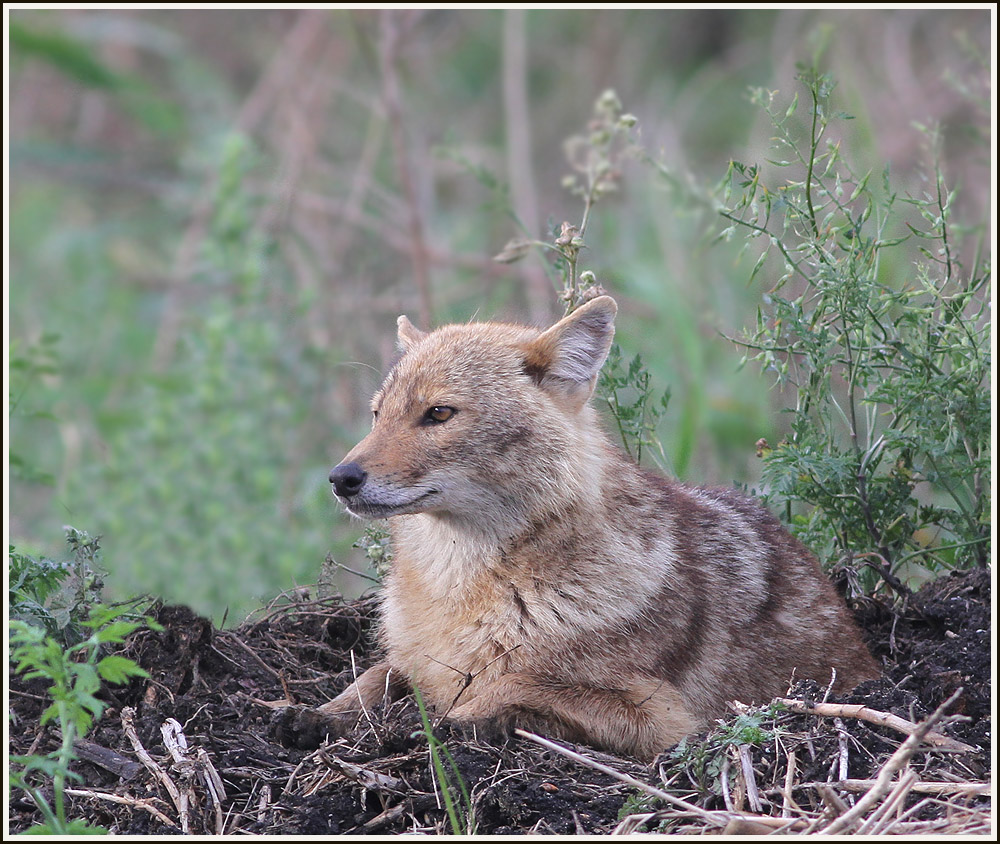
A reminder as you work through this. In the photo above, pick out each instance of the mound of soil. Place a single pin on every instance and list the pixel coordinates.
(193, 748)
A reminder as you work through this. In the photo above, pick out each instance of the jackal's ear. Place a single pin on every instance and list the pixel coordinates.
(566, 358)
(407, 334)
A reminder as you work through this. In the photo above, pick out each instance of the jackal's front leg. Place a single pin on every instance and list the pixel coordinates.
(640, 718)
(305, 727)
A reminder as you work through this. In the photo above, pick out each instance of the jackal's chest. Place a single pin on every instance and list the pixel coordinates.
(442, 645)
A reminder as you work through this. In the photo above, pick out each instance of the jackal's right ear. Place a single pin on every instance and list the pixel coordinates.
(566, 358)
(407, 334)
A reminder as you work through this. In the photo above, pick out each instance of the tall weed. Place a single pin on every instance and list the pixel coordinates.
(881, 334)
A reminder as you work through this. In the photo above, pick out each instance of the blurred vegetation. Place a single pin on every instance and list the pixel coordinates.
(216, 216)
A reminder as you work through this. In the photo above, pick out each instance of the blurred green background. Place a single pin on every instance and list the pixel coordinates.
(216, 216)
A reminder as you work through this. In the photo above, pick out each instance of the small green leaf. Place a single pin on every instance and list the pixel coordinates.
(119, 669)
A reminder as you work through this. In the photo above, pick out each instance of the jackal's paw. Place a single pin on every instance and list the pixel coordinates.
(305, 728)
(497, 724)
(492, 727)
(482, 730)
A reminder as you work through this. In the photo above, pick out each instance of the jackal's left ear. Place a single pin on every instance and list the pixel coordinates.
(566, 358)
(407, 334)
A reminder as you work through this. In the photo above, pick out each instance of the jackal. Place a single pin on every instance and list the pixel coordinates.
(540, 579)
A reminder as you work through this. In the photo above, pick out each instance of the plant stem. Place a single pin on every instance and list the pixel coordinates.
(65, 758)
(813, 146)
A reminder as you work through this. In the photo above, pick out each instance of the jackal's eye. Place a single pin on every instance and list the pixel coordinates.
(438, 414)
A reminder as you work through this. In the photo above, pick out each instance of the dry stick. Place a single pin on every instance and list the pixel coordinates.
(895, 763)
(724, 783)
(951, 808)
(832, 800)
(960, 788)
(417, 803)
(291, 778)
(273, 609)
(946, 826)
(105, 757)
(718, 819)
(175, 741)
(263, 803)
(365, 777)
(874, 822)
(177, 744)
(126, 801)
(215, 786)
(873, 716)
(787, 801)
(630, 823)
(842, 770)
(753, 795)
(128, 724)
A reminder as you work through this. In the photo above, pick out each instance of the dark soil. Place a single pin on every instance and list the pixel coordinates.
(217, 684)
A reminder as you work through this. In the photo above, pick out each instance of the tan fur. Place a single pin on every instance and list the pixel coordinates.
(541, 579)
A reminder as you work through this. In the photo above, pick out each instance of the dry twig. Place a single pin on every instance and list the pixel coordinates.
(715, 819)
(128, 724)
(965, 789)
(894, 764)
(124, 800)
(873, 716)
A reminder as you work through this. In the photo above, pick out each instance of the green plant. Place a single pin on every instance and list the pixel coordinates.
(882, 334)
(596, 159)
(74, 675)
(375, 543)
(628, 394)
(458, 806)
(700, 760)
(58, 596)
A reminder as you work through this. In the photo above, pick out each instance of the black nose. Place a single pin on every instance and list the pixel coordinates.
(347, 479)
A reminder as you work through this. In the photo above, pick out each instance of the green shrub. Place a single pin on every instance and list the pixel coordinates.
(881, 334)
(60, 633)
(57, 596)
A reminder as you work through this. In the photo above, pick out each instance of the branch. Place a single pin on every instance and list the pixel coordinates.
(717, 819)
(134, 802)
(884, 719)
(895, 763)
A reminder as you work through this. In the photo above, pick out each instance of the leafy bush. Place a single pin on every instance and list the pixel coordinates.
(882, 335)
(60, 633)
(58, 596)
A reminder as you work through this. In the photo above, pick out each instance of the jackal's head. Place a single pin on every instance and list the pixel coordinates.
(482, 423)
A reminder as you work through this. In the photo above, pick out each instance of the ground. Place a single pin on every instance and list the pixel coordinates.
(765, 770)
